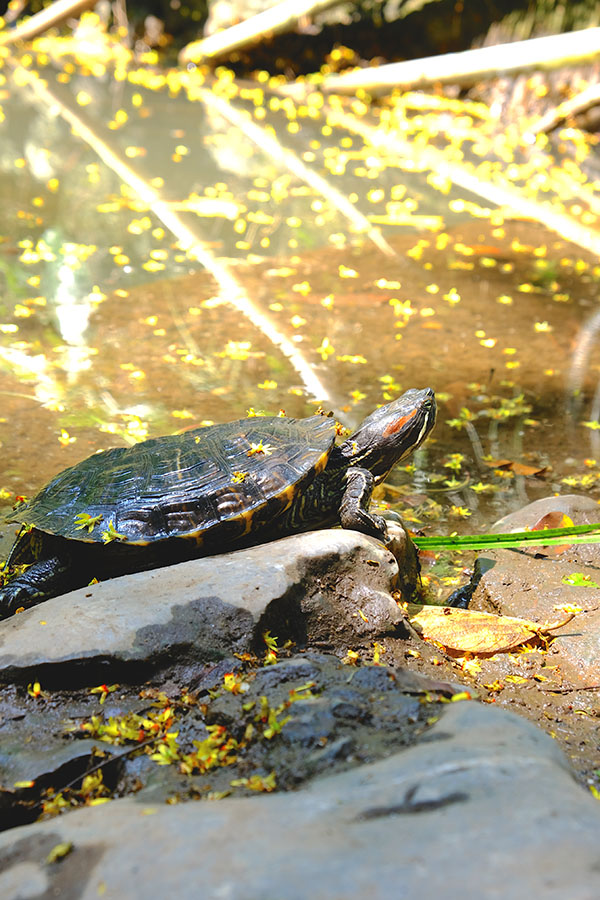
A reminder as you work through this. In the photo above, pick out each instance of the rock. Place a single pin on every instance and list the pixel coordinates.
(582, 510)
(331, 586)
(579, 507)
(520, 585)
(483, 805)
(329, 717)
(527, 586)
(39, 734)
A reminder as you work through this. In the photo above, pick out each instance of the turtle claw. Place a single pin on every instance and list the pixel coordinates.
(43, 579)
(381, 524)
(13, 597)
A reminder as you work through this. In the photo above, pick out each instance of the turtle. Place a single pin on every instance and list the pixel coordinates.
(203, 492)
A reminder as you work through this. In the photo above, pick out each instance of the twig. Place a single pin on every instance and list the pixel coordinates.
(570, 690)
(279, 18)
(54, 14)
(579, 103)
(468, 67)
(13, 11)
(106, 761)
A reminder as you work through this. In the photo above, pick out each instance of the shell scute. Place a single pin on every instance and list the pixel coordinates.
(186, 485)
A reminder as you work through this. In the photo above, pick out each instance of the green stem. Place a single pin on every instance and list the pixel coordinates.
(576, 534)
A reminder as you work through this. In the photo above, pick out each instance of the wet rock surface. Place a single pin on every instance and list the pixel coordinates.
(479, 777)
(514, 586)
(541, 582)
(320, 774)
(326, 717)
(553, 683)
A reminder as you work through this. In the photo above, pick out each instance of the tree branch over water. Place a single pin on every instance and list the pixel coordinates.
(47, 18)
(580, 103)
(468, 67)
(276, 20)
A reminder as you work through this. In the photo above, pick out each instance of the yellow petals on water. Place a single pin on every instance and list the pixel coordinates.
(65, 438)
(452, 297)
(302, 288)
(325, 350)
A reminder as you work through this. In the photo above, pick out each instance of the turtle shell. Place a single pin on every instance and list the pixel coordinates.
(232, 479)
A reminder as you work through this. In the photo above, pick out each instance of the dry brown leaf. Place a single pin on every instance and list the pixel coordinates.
(553, 519)
(528, 471)
(475, 632)
(516, 467)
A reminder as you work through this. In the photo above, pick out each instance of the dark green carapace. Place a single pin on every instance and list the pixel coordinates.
(204, 492)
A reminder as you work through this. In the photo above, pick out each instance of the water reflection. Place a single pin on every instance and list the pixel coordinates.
(171, 258)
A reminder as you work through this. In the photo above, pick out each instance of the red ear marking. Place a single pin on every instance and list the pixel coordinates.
(395, 426)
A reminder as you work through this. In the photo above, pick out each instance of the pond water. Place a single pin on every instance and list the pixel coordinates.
(175, 251)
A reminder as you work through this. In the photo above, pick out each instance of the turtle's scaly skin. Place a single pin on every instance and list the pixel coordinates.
(207, 491)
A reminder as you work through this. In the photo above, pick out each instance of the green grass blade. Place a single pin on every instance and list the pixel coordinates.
(575, 534)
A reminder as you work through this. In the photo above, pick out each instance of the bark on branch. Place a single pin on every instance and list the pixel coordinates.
(54, 14)
(470, 66)
(280, 18)
(583, 101)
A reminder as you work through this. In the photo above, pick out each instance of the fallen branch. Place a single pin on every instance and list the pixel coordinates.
(468, 67)
(47, 18)
(282, 17)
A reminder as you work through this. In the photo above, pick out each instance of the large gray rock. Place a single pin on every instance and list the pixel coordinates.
(330, 586)
(483, 806)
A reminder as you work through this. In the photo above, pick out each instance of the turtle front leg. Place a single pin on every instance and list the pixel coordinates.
(42, 580)
(354, 508)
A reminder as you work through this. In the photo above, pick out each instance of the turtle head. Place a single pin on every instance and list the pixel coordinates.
(391, 432)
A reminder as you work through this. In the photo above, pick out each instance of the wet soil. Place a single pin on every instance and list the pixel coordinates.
(569, 715)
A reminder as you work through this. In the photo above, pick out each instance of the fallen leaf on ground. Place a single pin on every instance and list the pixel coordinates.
(476, 632)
